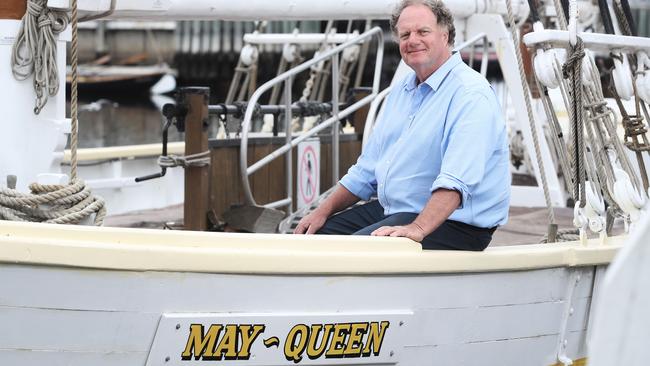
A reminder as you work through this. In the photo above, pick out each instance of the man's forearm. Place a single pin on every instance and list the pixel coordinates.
(441, 204)
(337, 201)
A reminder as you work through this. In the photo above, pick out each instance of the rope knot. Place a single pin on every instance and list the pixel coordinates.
(35, 7)
(574, 58)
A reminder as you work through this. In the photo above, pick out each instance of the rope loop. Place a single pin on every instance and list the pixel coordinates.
(34, 52)
(195, 160)
(52, 203)
(573, 58)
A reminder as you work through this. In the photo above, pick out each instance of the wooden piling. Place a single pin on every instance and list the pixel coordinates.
(12, 9)
(197, 179)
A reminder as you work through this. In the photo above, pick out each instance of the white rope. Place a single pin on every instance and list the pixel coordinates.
(198, 160)
(529, 109)
(57, 204)
(34, 52)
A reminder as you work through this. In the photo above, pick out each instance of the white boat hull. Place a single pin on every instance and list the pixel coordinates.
(130, 297)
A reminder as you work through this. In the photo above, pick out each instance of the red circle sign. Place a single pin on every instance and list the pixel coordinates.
(309, 169)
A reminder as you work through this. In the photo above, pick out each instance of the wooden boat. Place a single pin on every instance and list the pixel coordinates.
(106, 296)
(132, 79)
(134, 296)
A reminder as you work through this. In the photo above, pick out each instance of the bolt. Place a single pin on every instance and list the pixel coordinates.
(178, 326)
(391, 353)
(401, 322)
(167, 359)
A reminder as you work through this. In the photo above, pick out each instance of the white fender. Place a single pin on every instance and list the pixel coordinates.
(626, 196)
(587, 65)
(643, 76)
(622, 78)
(249, 54)
(545, 69)
(290, 52)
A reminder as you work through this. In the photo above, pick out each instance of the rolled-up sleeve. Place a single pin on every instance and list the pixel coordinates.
(469, 140)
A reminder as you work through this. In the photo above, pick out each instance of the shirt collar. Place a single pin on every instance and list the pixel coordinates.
(437, 77)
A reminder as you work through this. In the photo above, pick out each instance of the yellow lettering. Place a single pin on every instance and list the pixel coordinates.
(312, 351)
(228, 344)
(353, 348)
(337, 346)
(201, 345)
(292, 351)
(375, 338)
(248, 334)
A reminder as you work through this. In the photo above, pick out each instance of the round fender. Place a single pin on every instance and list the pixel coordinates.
(351, 53)
(622, 78)
(587, 65)
(627, 197)
(544, 68)
(289, 52)
(248, 54)
(643, 86)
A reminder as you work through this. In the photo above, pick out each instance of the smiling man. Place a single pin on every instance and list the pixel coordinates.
(437, 159)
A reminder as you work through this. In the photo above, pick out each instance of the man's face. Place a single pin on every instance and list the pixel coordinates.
(422, 43)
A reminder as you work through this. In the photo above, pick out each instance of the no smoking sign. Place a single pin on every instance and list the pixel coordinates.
(308, 172)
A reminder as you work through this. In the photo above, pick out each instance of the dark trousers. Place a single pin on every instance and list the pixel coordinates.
(366, 218)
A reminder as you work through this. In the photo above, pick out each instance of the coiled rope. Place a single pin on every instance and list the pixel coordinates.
(34, 51)
(56, 204)
(52, 203)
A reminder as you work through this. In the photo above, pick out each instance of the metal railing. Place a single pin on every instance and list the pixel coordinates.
(374, 106)
(287, 77)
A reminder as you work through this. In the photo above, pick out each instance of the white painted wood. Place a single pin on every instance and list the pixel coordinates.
(76, 330)
(274, 10)
(174, 329)
(63, 358)
(621, 329)
(79, 314)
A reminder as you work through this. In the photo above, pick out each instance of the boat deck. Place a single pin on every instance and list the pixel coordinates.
(525, 225)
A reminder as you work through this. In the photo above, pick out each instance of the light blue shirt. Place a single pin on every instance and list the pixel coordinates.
(448, 132)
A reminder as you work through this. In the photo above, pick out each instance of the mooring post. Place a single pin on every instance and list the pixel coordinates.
(12, 9)
(197, 178)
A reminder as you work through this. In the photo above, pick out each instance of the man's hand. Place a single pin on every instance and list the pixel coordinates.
(311, 223)
(411, 231)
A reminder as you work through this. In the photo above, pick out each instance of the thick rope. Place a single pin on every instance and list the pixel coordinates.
(197, 160)
(57, 204)
(529, 109)
(572, 69)
(34, 52)
(74, 132)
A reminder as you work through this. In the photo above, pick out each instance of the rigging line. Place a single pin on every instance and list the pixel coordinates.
(531, 121)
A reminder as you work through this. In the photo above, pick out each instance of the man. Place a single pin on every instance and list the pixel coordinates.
(438, 157)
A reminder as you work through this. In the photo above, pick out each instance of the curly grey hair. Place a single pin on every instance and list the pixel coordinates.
(437, 7)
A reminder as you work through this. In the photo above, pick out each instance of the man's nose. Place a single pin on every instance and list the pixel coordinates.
(413, 38)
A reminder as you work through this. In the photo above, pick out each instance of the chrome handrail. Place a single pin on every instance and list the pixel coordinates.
(287, 77)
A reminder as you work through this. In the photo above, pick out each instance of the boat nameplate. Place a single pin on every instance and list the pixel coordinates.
(368, 338)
